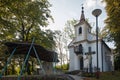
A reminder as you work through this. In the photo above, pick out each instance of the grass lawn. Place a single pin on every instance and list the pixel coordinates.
(108, 76)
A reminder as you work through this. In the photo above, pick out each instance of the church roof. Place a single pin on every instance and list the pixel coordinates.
(82, 19)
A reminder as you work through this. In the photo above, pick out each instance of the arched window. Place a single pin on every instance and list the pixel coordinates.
(80, 30)
(80, 49)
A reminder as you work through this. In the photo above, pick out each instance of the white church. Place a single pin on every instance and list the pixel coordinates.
(82, 49)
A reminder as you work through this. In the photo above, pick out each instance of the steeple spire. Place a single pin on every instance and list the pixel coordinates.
(82, 18)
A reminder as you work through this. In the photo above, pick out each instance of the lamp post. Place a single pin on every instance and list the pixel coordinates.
(96, 13)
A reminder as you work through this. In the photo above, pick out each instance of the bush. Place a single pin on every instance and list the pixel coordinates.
(63, 67)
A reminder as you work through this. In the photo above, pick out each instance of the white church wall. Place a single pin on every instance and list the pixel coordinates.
(82, 36)
(99, 56)
(91, 37)
(76, 31)
(71, 66)
(74, 60)
(85, 50)
(94, 59)
(106, 59)
(77, 63)
(105, 67)
(93, 48)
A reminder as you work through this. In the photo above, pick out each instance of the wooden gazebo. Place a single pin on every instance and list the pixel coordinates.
(23, 48)
(29, 49)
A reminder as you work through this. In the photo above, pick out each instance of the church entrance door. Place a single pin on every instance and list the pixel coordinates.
(81, 63)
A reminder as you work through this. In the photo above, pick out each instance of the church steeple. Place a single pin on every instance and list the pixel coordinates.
(82, 18)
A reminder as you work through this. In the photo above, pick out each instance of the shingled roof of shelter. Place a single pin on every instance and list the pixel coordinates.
(23, 48)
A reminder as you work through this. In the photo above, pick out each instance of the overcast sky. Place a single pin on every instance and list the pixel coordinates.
(63, 10)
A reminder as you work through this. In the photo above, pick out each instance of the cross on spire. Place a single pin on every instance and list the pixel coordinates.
(82, 9)
(82, 18)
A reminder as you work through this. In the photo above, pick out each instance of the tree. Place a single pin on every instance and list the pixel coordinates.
(59, 46)
(63, 38)
(113, 27)
(69, 28)
(117, 62)
(44, 38)
(102, 33)
(21, 20)
(112, 21)
(69, 34)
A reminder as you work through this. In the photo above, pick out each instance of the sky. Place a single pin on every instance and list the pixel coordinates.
(63, 10)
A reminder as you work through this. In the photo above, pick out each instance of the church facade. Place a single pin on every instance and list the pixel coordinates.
(82, 49)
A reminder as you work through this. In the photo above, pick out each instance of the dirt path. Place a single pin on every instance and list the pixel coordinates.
(76, 77)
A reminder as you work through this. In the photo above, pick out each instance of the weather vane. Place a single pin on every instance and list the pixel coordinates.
(82, 5)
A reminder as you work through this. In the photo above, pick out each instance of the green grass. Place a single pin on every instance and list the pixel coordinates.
(64, 67)
(108, 76)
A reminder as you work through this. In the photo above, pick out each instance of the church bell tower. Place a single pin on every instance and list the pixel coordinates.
(82, 29)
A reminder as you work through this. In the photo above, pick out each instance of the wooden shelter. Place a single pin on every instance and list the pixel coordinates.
(22, 48)
(30, 49)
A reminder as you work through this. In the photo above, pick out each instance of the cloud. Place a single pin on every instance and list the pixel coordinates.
(102, 4)
(90, 3)
(94, 3)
